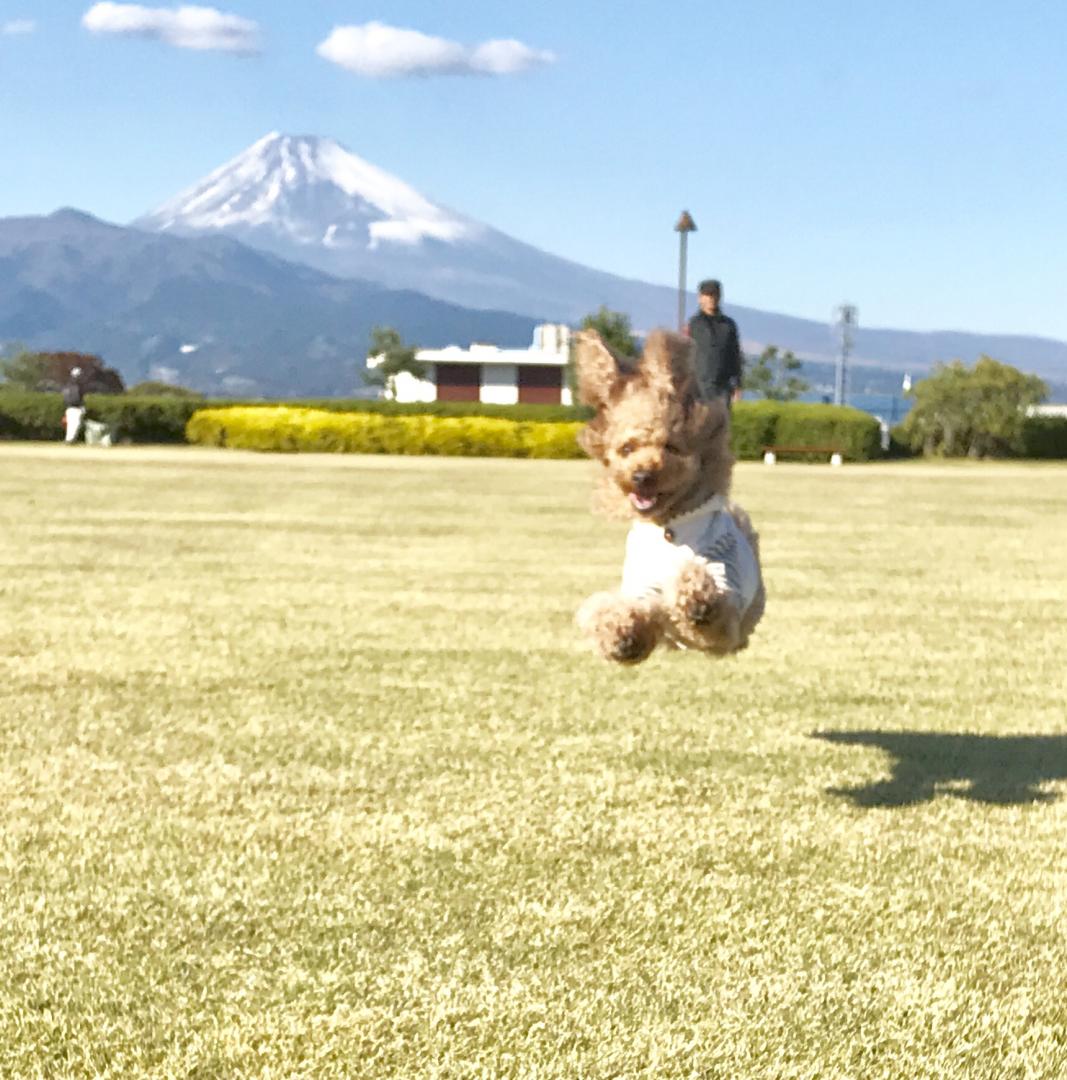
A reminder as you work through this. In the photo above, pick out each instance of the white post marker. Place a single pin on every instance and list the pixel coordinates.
(836, 460)
(769, 458)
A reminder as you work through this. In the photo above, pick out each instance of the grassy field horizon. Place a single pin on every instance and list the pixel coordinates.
(306, 773)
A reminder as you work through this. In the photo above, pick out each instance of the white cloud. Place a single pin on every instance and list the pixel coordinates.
(18, 26)
(185, 27)
(507, 56)
(378, 51)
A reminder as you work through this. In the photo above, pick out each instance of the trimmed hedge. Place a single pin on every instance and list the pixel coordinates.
(552, 414)
(162, 418)
(281, 428)
(752, 427)
(143, 419)
(856, 435)
(25, 415)
(1044, 437)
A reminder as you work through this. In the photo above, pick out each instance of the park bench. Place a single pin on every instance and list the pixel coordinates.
(771, 453)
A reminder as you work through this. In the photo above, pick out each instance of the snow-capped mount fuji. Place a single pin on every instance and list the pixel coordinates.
(311, 192)
(310, 200)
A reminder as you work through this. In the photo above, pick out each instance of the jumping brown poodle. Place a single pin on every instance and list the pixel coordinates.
(691, 577)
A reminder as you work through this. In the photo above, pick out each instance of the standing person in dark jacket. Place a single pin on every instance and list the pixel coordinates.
(74, 402)
(717, 355)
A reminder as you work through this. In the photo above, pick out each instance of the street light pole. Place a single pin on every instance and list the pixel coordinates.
(685, 226)
(846, 325)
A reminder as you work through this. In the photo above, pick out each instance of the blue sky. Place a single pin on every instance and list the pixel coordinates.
(910, 158)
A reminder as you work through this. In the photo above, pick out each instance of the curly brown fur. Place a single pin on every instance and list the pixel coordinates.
(650, 430)
(703, 617)
(663, 451)
(622, 630)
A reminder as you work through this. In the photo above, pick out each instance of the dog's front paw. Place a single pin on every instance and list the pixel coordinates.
(621, 630)
(704, 615)
(704, 610)
(695, 595)
(631, 646)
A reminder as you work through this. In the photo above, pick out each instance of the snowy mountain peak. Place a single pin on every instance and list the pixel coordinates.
(311, 191)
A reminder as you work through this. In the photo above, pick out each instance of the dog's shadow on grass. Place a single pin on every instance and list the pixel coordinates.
(1003, 770)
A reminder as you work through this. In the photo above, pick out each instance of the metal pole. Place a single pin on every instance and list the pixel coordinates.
(683, 241)
(846, 322)
(685, 226)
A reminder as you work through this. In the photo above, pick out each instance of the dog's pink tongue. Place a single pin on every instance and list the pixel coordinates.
(642, 502)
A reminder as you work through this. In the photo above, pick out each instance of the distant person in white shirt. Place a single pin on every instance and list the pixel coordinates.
(74, 402)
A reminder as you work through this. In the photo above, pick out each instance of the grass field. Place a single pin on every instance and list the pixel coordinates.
(304, 773)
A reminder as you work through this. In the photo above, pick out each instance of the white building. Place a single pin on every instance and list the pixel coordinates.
(489, 374)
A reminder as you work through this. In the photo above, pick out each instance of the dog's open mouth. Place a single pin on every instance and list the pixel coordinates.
(643, 504)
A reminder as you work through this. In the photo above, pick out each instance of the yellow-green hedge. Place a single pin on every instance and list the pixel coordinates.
(280, 428)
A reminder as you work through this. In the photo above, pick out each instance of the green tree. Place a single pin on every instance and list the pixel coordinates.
(396, 357)
(977, 412)
(614, 328)
(615, 331)
(23, 370)
(772, 375)
(48, 371)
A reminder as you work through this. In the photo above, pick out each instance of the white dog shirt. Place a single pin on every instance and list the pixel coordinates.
(656, 554)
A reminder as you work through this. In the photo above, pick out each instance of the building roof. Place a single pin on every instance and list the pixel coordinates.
(551, 345)
(491, 354)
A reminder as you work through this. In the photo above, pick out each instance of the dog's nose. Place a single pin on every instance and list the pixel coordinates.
(643, 477)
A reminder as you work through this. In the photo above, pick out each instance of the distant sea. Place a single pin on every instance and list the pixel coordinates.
(892, 409)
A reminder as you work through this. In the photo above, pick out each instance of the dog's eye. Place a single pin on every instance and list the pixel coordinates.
(672, 449)
(626, 449)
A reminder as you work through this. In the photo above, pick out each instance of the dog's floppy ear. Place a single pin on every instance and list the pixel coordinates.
(598, 368)
(707, 422)
(667, 362)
